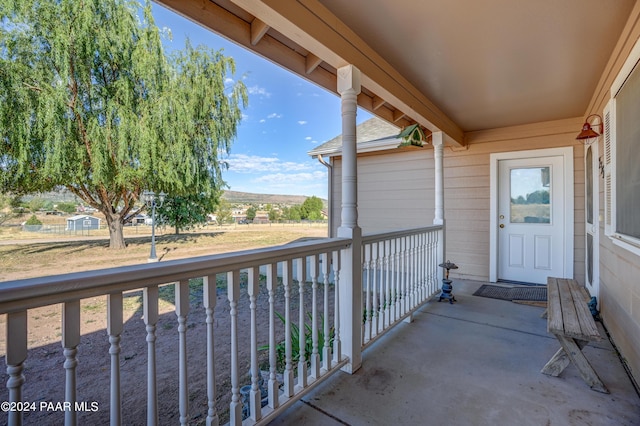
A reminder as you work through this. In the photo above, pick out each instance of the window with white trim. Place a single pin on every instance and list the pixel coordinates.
(622, 156)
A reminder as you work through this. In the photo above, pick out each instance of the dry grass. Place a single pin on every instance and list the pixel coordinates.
(21, 257)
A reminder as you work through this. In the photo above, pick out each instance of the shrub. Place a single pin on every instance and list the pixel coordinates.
(67, 207)
(33, 220)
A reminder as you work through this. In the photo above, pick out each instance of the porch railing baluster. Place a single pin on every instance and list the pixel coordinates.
(287, 275)
(70, 342)
(209, 299)
(375, 296)
(114, 329)
(253, 286)
(16, 355)
(366, 334)
(315, 356)
(387, 284)
(405, 276)
(302, 341)
(326, 350)
(150, 313)
(337, 345)
(397, 293)
(182, 310)
(233, 295)
(272, 282)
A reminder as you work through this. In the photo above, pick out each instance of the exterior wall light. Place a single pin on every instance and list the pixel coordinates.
(588, 136)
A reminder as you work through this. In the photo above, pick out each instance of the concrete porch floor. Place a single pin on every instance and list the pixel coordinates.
(476, 362)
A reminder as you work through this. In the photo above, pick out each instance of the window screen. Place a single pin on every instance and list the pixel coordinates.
(628, 157)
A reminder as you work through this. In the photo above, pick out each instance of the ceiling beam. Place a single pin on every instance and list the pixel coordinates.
(377, 102)
(397, 115)
(258, 30)
(312, 62)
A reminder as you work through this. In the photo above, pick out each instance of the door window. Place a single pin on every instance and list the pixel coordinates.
(530, 201)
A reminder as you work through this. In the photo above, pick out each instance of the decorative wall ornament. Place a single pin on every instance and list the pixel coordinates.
(412, 136)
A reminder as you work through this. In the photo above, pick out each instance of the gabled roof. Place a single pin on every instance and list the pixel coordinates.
(82, 216)
(372, 134)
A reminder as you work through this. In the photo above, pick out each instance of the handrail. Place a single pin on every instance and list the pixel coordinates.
(43, 291)
(372, 238)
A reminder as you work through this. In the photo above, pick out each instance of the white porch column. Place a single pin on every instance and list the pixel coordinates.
(437, 139)
(351, 274)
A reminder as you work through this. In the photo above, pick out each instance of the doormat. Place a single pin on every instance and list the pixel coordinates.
(534, 294)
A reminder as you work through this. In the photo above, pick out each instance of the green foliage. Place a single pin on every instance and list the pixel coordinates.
(9, 207)
(281, 355)
(66, 207)
(186, 212)
(312, 204)
(274, 215)
(36, 204)
(223, 213)
(90, 102)
(33, 221)
(536, 197)
(294, 213)
(251, 213)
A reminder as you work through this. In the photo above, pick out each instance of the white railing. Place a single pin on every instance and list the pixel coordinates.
(298, 282)
(283, 268)
(399, 274)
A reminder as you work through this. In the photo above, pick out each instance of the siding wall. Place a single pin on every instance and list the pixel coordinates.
(619, 298)
(395, 191)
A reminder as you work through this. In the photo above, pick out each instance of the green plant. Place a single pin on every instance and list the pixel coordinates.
(281, 354)
(33, 220)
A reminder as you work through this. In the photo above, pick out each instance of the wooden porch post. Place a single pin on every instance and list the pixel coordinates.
(437, 139)
(350, 290)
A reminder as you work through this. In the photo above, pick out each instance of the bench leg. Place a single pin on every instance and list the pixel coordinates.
(560, 361)
(573, 351)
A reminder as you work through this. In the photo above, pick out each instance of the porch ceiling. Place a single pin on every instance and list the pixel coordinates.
(451, 65)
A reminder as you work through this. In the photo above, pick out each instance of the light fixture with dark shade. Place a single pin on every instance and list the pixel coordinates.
(587, 136)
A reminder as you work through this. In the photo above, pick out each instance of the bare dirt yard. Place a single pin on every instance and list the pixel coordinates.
(23, 256)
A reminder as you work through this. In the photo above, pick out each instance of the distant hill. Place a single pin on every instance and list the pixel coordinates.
(234, 197)
(250, 198)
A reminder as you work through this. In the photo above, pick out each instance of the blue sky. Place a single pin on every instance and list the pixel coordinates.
(286, 117)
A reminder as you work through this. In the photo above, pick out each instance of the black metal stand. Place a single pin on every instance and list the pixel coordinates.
(447, 288)
(446, 293)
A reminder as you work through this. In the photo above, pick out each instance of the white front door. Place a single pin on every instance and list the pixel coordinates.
(592, 223)
(531, 219)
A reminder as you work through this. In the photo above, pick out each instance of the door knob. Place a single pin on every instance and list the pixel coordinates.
(502, 225)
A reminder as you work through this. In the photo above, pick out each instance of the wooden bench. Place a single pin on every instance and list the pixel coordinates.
(570, 320)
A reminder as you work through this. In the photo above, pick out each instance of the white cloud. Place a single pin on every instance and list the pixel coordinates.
(262, 120)
(274, 115)
(242, 163)
(228, 81)
(308, 138)
(278, 178)
(302, 122)
(257, 90)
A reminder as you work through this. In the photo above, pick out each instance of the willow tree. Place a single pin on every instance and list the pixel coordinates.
(90, 101)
